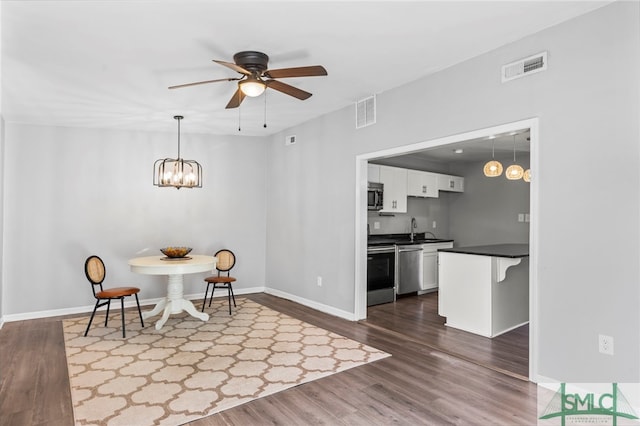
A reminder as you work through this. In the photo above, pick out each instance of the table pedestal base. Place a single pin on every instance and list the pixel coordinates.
(174, 303)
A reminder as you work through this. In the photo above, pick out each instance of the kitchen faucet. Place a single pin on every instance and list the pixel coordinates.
(413, 226)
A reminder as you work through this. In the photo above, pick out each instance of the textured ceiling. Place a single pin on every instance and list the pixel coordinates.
(108, 64)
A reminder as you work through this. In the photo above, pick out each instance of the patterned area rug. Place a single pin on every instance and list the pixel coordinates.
(191, 369)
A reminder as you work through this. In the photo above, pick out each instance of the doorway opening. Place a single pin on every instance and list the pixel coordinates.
(362, 161)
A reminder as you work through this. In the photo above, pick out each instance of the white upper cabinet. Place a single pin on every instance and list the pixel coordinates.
(450, 183)
(394, 196)
(422, 184)
(373, 173)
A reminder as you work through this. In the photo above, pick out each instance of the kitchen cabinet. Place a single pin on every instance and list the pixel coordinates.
(484, 289)
(430, 265)
(373, 173)
(422, 184)
(450, 183)
(394, 180)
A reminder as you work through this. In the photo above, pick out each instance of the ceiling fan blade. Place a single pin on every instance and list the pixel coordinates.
(202, 82)
(236, 99)
(288, 89)
(236, 68)
(312, 71)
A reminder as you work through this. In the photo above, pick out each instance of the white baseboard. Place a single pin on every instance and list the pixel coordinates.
(127, 304)
(545, 381)
(311, 304)
(131, 303)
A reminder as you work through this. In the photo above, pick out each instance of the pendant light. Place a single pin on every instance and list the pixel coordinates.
(527, 175)
(177, 173)
(493, 168)
(514, 171)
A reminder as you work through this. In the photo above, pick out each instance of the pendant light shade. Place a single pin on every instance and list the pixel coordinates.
(527, 175)
(514, 171)
(177, 173)
(493, 168)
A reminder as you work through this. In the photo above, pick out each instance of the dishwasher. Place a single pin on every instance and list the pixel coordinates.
(410, 269)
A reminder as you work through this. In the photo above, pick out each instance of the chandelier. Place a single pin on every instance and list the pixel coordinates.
(177, 173)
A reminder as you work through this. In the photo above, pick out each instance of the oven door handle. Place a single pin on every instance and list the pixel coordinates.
(377, 250)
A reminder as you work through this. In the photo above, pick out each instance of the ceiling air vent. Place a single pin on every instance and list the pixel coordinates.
(526, 66)
(366, 112)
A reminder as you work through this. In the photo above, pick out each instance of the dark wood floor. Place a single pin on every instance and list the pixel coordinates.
(416, 318)
(418, 384)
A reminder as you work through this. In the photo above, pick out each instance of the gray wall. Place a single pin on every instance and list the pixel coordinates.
(70, 193)
(424, 210)
(587, 100)
(487, 212)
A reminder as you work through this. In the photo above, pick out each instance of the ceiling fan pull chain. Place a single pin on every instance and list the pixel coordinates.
(265, 110)
(239, 101)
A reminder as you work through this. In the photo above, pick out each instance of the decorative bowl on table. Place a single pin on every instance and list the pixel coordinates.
(175, 252)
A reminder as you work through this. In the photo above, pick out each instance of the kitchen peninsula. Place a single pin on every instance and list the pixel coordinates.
(484, 289)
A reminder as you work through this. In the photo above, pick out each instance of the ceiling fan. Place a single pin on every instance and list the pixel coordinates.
(256, 77)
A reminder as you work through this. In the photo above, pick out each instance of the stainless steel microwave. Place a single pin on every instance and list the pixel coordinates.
(374, 196)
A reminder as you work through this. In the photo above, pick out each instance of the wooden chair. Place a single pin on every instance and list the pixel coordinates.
(226, 261)
(95, 271)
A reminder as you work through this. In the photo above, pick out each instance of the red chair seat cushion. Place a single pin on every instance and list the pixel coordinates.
(111, 293)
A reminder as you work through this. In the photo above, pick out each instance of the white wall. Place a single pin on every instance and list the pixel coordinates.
(2, 224)
(2, 160)
(586, 101)
(70, 193)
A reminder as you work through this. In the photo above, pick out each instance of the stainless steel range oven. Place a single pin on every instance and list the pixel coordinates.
(381, 267)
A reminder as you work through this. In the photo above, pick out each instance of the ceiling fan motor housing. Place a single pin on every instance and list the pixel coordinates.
(251, 61)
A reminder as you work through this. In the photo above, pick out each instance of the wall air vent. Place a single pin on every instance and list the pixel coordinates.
(523, 67)
(366, 112)
(290, 140)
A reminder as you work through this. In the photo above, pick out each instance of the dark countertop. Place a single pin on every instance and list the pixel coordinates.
(495, 250)
(402, 239)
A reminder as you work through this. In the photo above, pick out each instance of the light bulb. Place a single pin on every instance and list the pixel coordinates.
(492, 168)
(252, 87)
(514, 172)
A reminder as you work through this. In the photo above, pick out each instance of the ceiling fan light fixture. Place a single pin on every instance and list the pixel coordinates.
(176, 172)
(252, 87)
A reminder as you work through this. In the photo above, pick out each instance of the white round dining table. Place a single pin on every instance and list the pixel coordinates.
(174, 302)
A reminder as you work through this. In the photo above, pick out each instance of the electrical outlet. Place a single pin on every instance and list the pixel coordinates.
(433, 225)
(605, 344)
(319, 281)
(520, 217)
(376, 225)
